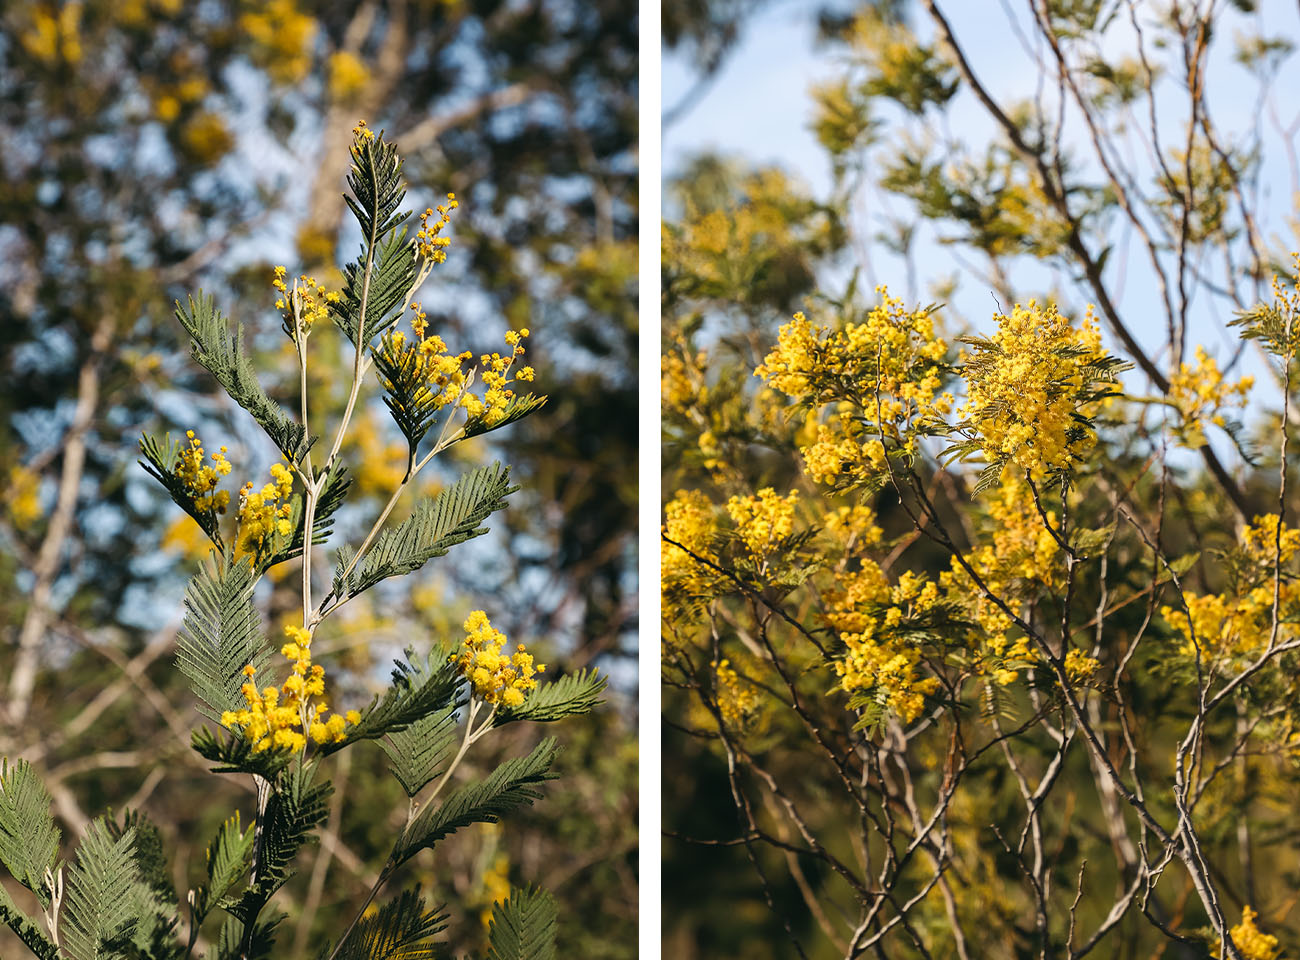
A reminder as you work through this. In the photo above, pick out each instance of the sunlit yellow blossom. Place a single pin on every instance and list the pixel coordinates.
(423, 366)
(1028, 385)
(494, 370)
(496, 677)
(1237, 623)
(1017, 559)
(879, 380)
(872, 617)
(304, 304)
(429, 242)
(764, 520)
(201, 481)
(1200, 396)
(264, 513)
(737, 700)
(1250, 941)
(1080, 666)
(282, 718)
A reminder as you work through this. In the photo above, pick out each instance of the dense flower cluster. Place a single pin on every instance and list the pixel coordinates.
(689, 521)
(1253, 943)
(265, 511)
(1235, 624)
(737, 701)
(428, 242)
(496, 677)
(879, 380)
(764, 520)
(1200, 395)
(1018, 559)
(308, 300)
(438, 375)
(1027, 387)
(201, 480)
(494, 369)
(276, 718)
(876, 623)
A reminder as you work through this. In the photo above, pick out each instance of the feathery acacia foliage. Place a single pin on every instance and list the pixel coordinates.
(114, 900)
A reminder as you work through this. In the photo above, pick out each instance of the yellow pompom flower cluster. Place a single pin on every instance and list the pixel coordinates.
(265, 512)
(1199, 394)
(885, 371)
(495, 371)
(763, 521)
(1235, 625)
(871, 616)
(309, 299)
(689, 521)
(496, 677)
(276, 718)
(737, 702)
(428, 242)
(1025, 386)
(201, 480)
(854, 528)
(1250, 941)
(439, 376)
(1018, 560)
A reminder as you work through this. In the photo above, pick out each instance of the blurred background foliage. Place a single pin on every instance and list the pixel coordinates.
(152, 147)
(932, 193)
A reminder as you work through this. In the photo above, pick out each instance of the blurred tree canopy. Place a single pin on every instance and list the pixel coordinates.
(1097, 153)
(152, 146)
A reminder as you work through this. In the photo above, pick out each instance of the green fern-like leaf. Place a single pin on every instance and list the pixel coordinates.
(297, 807)
(433, 528)
(384, 272)
(261, 940)
(574, 694)
(420, 687)
(399, 931)
(229, 856)
(218, 346)
(29, 840)
(154, 896)
(221, 634)
(418, 752)
(25, 928)
(392, 274)
(523, 927)
(100, 912)
(510, 786)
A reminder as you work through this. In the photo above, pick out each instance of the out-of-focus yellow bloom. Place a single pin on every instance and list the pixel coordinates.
(1200, 395)
(348, 75)
(282, 36)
